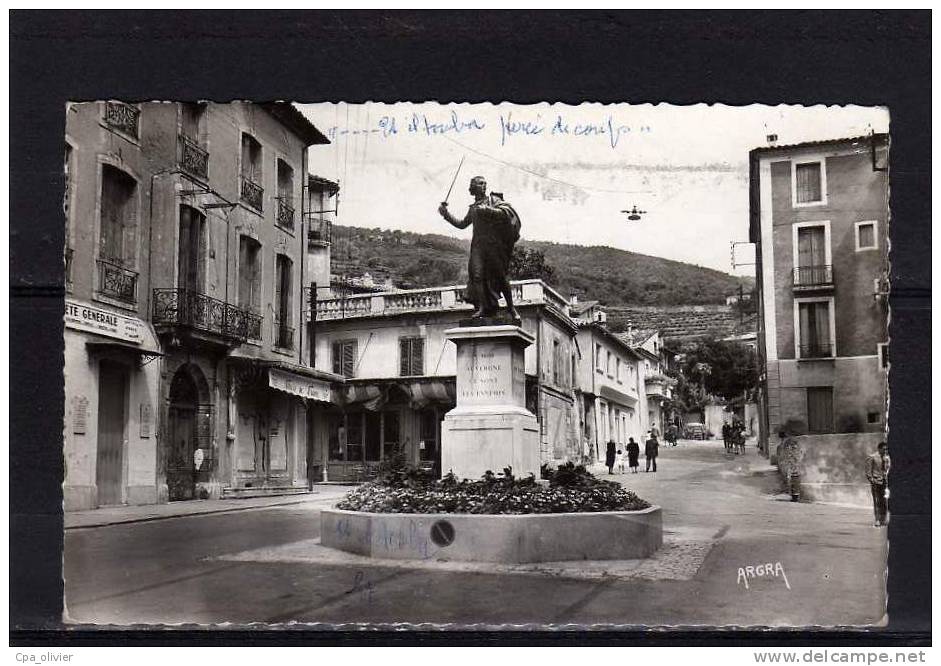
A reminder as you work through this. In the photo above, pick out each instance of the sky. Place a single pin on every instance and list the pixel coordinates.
(569, 171)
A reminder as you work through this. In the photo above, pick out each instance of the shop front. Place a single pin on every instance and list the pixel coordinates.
(111, 379)
(375, 420)
(269, 425)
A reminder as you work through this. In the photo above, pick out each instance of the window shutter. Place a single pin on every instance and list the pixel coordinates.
(337, 359)
(349, 359)
(418, 356)
(405, 366)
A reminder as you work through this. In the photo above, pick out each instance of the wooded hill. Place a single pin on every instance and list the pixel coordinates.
(605, 274)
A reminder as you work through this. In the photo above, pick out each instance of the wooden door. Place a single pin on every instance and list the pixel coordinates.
(820, 409)
(112, 389)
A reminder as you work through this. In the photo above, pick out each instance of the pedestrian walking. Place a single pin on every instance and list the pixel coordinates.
(651, 450)
(877, 472)
(610, 456)
(619, 461)
(726, 436)
(633, 453)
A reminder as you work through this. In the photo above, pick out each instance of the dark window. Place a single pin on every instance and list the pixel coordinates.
(191, 121)
(282, 301)
(867, 236)
(336, 437)
(556, 363)
(873, 417)
(428, 446)
(249, 294)
(118, 216)
(808, 182)
(344, 358)
(285, 212)
(884, 355)
(191, 266)
(814, 330)
(820, 409)
(411, 356)
(373, 429)
(251, 190)
(390, 433)
(354, 436)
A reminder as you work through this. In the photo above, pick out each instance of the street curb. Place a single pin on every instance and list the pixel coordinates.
(150, 519)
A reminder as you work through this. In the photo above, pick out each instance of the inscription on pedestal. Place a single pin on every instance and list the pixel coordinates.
(485, 374)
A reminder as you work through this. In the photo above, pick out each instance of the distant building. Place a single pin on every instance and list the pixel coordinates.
(818, 217)
(400, 375)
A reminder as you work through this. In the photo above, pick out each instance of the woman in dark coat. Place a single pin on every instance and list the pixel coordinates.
(610, 456)
(633, 453)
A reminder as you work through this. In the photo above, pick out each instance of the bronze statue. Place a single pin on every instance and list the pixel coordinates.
(496, 230)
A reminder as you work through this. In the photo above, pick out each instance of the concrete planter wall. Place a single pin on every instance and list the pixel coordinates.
(615, 535)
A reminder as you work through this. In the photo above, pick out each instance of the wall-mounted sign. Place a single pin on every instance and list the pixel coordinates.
(84, 317)
(79, 414)
(146, 419)
(296, 385)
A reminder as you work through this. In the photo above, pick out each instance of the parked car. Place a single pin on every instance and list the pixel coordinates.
(695, 431)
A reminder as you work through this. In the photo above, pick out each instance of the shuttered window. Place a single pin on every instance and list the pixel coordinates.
(118, 216)
(809, 187)
(411, 356)
(344, 357)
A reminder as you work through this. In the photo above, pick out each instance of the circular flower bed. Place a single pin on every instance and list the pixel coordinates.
(570, 489)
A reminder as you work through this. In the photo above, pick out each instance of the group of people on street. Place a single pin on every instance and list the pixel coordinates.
(614, 457)
(733, 435)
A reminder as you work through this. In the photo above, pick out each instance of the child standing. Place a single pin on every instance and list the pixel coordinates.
(619, 461)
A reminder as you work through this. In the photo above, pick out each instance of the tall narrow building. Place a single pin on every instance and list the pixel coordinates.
(819, 218)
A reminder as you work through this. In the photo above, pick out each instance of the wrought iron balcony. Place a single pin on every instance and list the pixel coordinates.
(181, 307)
(194, 159)
(319, 230)
(816, 350)
(116, 281)
(252, 193)
(283, 336)
(813, 276)
(285, 214)
(122, 117)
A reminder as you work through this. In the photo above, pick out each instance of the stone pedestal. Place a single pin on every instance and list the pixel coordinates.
(490, 428)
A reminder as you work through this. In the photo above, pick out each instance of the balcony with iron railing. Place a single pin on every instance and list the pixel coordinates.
(252, 193)
(194, 159)
(116, 281)
(813, 277)
(285, 217)
(816, 350)
(283, 336)
(123, 118)
(453, 298)
(319, 230)
(192, 310)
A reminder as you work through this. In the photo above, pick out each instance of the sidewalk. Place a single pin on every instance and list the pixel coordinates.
(117, 515)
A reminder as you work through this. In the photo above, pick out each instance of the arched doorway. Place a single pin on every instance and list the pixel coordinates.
(182, 436)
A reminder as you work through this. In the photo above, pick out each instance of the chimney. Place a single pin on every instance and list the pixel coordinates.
(772, 138)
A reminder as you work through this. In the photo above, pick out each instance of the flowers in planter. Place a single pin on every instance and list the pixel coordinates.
(571, 489)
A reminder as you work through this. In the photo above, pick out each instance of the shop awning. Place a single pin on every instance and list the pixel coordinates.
(111, 346)
(417, 393)
(300, 385)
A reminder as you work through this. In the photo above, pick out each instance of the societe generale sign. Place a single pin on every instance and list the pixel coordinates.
(83, 317)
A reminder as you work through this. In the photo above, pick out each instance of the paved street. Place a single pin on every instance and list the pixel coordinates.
(721, 513)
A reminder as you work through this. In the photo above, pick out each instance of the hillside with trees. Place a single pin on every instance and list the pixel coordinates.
(613, 277)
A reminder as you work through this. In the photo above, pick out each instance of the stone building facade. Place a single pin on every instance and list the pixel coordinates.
(186, 254)
(819, 217)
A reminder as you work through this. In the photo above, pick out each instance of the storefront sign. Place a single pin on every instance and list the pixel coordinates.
(103, 322)
(297, 385)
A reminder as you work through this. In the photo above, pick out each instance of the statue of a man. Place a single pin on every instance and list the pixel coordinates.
(496, 230)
